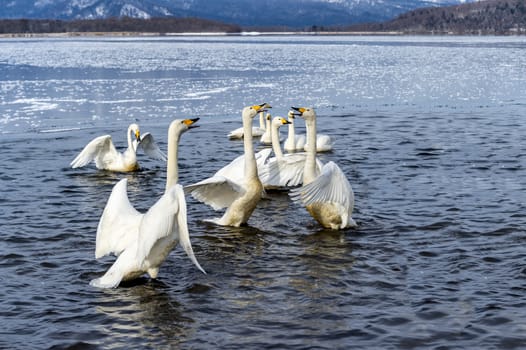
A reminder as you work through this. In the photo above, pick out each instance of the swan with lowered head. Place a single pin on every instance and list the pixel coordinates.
(256, 131)
(143, 241)
(328, 195)
(102, 151)
(283, 170)
(239, 197)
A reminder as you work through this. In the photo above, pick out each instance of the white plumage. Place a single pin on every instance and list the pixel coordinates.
(238, 133)
(328, 196)
(142, 242)
(241, 194)
(283, 170)
(102, 151)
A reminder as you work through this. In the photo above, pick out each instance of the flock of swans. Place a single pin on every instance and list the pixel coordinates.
(142, 241)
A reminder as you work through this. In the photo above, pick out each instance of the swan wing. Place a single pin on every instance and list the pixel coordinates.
(165, 217)
(217, 191)
(235, 170)
(119, 223)
(262, 156)
(100, 149)
(284, 172)
(150, 147)
(330, 186)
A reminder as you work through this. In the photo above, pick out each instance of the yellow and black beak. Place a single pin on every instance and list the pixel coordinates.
(138, 135)
(262, 107)
(190, 123)
(299, 111)
(285, 121)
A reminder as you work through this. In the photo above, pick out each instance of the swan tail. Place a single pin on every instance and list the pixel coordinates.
(111, 279)
(184, 235)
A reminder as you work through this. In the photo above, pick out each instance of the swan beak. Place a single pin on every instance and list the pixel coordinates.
(262, 107)
(137, 135)
(300, 110)
(190, 123)
(285, 121)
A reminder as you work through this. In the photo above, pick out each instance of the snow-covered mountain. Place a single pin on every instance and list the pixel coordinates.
(242, 12)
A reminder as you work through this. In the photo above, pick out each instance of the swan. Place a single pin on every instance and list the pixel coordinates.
(328, 195)
(283, 170)
(256, 131)
(293, 142)
(143, 241)
(239, 197)
(102, 151)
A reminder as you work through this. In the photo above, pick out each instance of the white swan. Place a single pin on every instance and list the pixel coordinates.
(102, 151)
(256, 131)
(239, 197)
(282, 170)
(143, 241)
(293, 142)
(328, 196)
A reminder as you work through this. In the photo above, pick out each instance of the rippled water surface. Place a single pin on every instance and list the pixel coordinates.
(430, 131)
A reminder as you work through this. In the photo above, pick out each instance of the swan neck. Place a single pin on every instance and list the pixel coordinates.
(309, 173)
(276, 147)
(250, 157)
(130, 144)
(292, 131)
(261, 121)
(172, 169)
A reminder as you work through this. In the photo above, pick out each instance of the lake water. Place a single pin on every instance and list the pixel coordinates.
(430, 131)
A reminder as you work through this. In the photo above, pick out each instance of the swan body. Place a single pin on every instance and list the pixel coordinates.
(282, 170)
(102, 151)
(328, 195)
(241, 195)
(323, 143)
(293, 142)
(256, 131)
(140, 241)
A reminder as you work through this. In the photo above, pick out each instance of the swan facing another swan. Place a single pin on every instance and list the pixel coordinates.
(298, 142)
(239, 196)
(143, 241)
(293, 142)
(102, 151)
(327, 195)
(283, 170)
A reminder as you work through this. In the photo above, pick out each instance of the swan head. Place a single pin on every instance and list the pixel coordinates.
(305, 112)
(279, 121)
(291, 116)
(180, 126)
(252, 111)
(135, 135)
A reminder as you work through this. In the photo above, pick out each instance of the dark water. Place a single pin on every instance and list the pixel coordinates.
(431, 133)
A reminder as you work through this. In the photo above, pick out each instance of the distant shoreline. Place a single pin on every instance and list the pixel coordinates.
(240, 34)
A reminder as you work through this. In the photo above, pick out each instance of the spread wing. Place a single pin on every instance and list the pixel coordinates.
(119, 223)
(235, 170)
(166, 216)
(100, 149)
(150, 147)
(330, 186)
(285, 172)
(217, 191)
